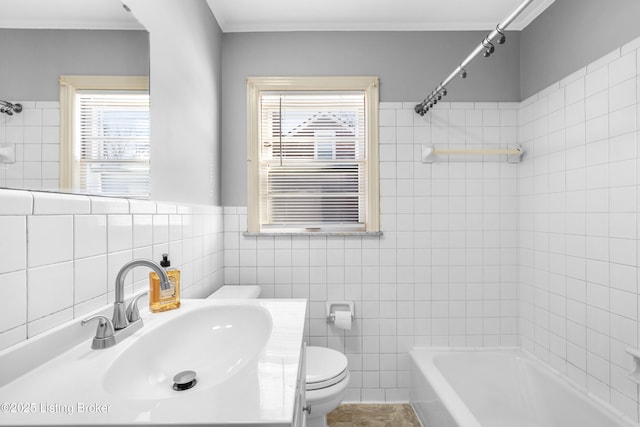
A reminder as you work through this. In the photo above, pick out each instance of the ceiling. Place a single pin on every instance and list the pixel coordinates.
(68, 14)
(284, 15)
(369, 15)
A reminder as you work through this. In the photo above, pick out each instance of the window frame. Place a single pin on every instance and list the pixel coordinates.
(368, 84)
(70, 85)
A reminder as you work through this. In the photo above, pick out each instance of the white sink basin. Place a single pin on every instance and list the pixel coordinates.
(246, 355)
(216, 342)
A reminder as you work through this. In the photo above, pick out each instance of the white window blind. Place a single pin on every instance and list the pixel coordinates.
(312, 161)
(112, 149)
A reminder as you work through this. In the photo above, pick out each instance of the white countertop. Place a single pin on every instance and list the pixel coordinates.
(67, 390)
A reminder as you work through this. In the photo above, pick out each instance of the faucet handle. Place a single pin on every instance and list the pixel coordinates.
(105, 327)
(133, 314)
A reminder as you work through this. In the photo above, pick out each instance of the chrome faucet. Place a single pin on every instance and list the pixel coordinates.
(125, 321)
(120, 318)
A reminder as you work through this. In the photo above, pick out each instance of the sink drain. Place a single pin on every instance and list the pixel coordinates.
(184, 380)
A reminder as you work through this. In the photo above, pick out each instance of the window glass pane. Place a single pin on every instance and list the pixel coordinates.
(312, 160)
(113, 150)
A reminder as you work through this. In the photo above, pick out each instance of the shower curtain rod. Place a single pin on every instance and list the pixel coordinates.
(486, 45)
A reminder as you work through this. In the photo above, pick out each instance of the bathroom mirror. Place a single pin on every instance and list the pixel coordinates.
(40, 41)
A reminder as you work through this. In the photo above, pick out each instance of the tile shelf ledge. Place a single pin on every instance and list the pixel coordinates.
(312, 233)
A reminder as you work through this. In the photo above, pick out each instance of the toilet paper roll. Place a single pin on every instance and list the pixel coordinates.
(343, 319)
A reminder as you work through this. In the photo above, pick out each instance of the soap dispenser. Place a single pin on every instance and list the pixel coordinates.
(169, 299)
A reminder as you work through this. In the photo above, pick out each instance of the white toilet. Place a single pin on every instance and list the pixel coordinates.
(237, 291)
(327, 371)
(327, 380)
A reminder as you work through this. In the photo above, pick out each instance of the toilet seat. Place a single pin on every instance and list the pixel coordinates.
(325, 368)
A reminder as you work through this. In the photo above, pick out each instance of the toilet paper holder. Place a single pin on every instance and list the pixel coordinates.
(635, 375)
(340, 306)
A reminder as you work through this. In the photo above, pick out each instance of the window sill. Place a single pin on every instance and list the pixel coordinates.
(312, 233)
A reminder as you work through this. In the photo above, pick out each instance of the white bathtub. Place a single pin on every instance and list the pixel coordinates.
(498, 388)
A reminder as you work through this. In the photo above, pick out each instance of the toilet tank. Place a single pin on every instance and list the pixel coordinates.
(237, 291)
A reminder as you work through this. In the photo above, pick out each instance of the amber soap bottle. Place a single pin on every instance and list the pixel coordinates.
(164, 299)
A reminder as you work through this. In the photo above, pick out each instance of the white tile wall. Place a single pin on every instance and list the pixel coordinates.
(443, 273)
(579, 223)
(35, 134)
(544, 253)
(59, 254)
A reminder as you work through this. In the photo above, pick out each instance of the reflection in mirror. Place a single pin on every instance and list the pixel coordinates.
(105, 129)
(39, 46)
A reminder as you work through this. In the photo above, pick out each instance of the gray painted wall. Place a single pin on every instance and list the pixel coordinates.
(570, 34)
(186, 48)
(32, 60)
(409, 64)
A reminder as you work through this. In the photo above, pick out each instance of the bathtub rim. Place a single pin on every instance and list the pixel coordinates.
(459, 411)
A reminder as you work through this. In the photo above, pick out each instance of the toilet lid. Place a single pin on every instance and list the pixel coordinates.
(325, 367)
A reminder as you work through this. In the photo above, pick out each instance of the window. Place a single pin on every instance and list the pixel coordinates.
(313, 154)
(105, 135)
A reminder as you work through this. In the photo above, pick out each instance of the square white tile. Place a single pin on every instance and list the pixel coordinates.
(50, 239)
(90, 235)
(13, 245)
(49, 290)
(14, 290)
(90, 278)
